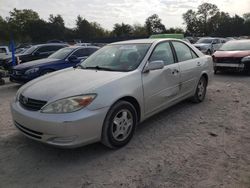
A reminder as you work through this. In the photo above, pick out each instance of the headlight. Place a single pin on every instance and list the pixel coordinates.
(245, 59)
(68, 105)
(31, 71)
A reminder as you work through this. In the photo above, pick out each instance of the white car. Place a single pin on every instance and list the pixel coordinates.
(4, 50)
(107, 95)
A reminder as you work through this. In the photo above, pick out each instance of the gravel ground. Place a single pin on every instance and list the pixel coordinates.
(189, 145)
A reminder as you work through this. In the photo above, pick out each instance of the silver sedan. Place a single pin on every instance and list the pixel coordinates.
(107, 95)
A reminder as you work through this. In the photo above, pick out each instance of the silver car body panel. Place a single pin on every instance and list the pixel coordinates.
(154, 91)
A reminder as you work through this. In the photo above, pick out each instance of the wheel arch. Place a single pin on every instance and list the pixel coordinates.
(205, 75)
(134, 102)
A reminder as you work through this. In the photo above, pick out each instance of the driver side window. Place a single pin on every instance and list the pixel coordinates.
(164, 53)
(81, 53)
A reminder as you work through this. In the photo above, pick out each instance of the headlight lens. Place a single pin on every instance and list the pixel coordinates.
(31, 71)
(70, 104)
(245, 59)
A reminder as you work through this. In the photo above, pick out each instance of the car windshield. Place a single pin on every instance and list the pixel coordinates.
(30, 50)
(62, 53)
(236, 46)
(205, 41)
(124, 57)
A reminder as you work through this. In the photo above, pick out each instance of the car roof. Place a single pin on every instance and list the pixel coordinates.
(77, 47)
(51, 44)
(240, 41)
(143, 41)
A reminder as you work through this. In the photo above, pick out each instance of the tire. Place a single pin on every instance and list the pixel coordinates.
(201, 90)
(46, 72)
(2, 81)
(119, 125)
(215, 71)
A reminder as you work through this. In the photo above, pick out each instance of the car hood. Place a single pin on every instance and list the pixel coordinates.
(68, 82)
(36, 63)
(231, 53)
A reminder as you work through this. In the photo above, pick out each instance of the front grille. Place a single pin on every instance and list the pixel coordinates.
(228, 60)
(29, 132)
(31, 104)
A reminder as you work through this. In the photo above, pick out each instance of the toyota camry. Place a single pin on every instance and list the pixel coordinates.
(105, 97)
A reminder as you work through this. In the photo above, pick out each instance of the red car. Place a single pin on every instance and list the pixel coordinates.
(233, 55)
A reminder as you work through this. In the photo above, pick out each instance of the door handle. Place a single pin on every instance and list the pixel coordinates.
(198, 64)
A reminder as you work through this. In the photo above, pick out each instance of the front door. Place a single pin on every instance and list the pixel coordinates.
(161, 86)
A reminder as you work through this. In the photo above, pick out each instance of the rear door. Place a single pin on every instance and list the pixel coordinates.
(161, 86)
(190, 67)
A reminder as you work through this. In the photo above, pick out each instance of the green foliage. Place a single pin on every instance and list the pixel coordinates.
(122, 30)
(26, 26)
(209, 21)
(154, 26)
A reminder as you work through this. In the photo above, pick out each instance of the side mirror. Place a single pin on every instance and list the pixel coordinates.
(73, 58)
(154, 65)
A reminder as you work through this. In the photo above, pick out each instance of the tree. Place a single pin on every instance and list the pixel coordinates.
(192, 22)
(175, 30)
(4, 36)
(88, 30)
(154, 26)
(56, 23)
(139, 30)
(122, 30)
(205, 12)
(246, 16)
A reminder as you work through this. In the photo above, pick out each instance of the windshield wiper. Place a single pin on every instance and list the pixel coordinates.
(99, 68)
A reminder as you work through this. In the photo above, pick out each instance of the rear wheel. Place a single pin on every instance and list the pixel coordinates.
(215, 71)
(119, 125)
(201, 90)
(2, 81)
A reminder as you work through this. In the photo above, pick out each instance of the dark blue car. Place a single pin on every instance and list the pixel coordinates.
(63, 58)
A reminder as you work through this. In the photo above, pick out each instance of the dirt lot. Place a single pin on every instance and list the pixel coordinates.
(189, 145)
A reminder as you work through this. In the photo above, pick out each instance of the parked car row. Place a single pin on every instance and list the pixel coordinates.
(63, 58)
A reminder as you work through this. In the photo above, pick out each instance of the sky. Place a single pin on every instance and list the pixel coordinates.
(109, 12)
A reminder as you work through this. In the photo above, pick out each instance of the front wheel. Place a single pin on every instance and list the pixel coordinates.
(201, 90)
(119, 125)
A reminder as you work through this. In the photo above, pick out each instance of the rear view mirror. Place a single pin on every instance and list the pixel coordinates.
(154, 65)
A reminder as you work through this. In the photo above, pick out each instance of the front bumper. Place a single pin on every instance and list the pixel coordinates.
(63, 130)
(21, 78)
(230, 65)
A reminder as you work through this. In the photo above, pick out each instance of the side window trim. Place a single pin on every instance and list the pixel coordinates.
(170, 44)
(191, 50)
